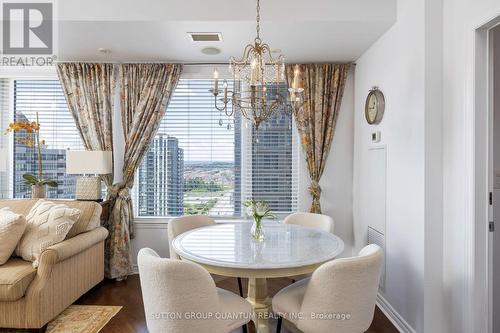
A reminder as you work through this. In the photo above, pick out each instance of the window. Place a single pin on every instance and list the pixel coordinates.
(270, 171)
(190, 166)
(202, 163)
(4, 142)
(58, 129)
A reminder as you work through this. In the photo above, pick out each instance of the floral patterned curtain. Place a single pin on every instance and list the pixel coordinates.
(323, 89)
(145, 92)
(89, 90)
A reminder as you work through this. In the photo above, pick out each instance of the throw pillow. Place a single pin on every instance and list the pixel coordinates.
(12, 227)
(48, 224)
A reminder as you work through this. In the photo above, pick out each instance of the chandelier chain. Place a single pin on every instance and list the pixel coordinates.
(258, 19)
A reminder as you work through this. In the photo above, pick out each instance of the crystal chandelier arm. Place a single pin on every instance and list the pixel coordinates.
(225, 102)
(220, 108)
(267, 50)
(242, 60)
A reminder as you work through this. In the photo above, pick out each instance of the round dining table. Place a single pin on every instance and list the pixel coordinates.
(288, 250)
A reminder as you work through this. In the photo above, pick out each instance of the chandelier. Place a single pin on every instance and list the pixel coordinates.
(259, 84)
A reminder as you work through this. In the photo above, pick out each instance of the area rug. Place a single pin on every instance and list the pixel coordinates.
(79, 319)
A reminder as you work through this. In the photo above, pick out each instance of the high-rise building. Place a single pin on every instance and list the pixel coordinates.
(272, 167)
(175, 173)
(268, 162)
(54, 168)
(161, 179)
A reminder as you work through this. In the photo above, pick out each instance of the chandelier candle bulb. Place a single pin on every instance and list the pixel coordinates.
(253, 74)
(216, 81)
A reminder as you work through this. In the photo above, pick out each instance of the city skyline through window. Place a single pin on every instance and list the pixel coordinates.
(197, 175)
(58, 129)
(200, 162)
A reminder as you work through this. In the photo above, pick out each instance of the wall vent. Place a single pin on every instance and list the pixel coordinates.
(378, 238)
(205, 36)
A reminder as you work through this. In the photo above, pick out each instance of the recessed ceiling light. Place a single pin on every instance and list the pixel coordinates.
(276, 51)
(103, 50)
(210, 51)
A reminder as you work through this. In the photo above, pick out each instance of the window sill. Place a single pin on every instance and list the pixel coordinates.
(164, 220)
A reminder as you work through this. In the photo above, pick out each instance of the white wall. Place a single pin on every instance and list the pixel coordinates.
(461, 18)
(429, 137)
(405, 63)
(495, 238)
(336, 198)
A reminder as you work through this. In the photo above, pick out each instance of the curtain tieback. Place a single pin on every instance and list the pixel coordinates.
(315, 189)
(119, 190)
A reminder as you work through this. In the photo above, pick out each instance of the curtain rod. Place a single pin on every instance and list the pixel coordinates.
(183, 63)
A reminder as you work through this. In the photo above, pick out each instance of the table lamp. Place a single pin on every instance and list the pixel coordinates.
(89, 164)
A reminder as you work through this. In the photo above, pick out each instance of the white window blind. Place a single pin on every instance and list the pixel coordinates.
(4, 142)
(190, 166)
(58, 129)
(270, 163)
(196, 166)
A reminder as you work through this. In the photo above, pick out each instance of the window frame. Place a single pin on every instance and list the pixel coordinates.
(35, 75)
(11, 74)
(204, 72)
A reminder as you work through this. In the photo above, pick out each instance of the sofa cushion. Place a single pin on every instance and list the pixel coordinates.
(89, 217)
(15, 277)
(48, 224)
(12, 227)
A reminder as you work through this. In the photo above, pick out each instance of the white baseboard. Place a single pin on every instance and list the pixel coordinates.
(396, 319)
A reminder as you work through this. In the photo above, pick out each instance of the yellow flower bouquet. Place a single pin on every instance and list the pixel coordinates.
(28, 134)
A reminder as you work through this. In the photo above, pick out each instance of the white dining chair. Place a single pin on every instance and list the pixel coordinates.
(344, 290)
(181, 296)
(180, 225)
(311, 220)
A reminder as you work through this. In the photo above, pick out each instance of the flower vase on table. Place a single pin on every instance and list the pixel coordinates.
(258, 210)
(257, 232)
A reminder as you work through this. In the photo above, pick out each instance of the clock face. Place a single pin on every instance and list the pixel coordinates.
(374, 107)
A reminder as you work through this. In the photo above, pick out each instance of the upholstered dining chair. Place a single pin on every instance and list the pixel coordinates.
(344, 290)
(181, 296)
(311, 220)
(179, 225)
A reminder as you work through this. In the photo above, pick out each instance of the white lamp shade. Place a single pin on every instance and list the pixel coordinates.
(89, 162)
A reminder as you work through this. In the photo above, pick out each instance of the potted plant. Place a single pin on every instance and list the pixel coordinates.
(258, 210)
(30, 137)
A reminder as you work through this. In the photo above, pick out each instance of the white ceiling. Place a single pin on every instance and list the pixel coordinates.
(156, 30)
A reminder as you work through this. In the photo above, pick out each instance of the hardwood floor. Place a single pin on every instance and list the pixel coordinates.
(131, 318)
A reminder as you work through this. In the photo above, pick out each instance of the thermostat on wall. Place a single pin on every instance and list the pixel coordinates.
(376, 136)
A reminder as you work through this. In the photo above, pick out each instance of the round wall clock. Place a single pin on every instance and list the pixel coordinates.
(374, 106)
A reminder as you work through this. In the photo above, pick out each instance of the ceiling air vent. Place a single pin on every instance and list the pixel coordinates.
(205, 36)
